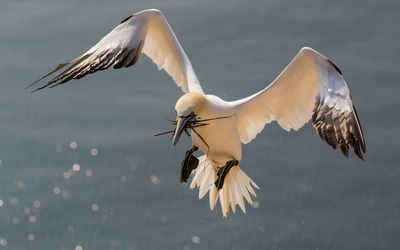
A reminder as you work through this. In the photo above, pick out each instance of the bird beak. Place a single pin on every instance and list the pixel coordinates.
(180, 126)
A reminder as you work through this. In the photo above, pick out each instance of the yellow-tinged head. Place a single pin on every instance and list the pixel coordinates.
(190, 102)
(187, 108)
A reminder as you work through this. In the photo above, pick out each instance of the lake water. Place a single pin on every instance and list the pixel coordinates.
(123, 191)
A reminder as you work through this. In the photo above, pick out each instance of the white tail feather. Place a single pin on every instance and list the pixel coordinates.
(236, 186)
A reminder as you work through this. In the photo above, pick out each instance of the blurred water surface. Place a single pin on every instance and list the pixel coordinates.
(80, 168)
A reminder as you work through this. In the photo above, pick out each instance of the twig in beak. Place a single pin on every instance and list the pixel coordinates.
(174, 122)
(191, 125)
(200, 137)
(216, 118)
(172, 131)
(164, 133)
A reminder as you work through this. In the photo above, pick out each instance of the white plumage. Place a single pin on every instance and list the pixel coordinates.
(311, 86)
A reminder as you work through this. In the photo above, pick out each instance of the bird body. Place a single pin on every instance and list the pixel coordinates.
(310, 87)
(220, 139)
(220, 142)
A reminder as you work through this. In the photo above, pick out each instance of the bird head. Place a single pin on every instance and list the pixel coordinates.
(187, 108)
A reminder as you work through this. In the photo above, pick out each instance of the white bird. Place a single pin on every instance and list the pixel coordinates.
(311, 86)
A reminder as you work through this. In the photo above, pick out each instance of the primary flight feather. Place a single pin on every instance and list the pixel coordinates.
(310, 87)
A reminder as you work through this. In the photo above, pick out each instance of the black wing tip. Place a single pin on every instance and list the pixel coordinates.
(345, 133)
(126, 19)
(357, 150)
(335, 66)
(59, 66)
(363, 147)
(39, 88)
(359, 154)
(35, 90)
(33, 83)
(63, 76)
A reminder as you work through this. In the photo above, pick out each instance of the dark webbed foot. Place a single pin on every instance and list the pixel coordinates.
(222, 172)
(189, 163)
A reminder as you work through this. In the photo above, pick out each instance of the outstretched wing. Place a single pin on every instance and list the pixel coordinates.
(144, 32)
(311, 86)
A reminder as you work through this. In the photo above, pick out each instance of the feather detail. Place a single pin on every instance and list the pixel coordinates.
(236, 186)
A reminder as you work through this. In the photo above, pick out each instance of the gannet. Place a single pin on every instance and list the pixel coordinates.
(310, 87)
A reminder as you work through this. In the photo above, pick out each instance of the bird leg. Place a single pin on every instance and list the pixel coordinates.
(222, 172)
(188, 164)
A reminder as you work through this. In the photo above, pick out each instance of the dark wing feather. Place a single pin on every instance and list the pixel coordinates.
(311, 86)
(90, 63)
(146, 31)
(338, 128)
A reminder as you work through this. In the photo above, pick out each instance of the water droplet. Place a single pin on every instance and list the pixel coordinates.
(1, 202)
(14, 201)
(27, 210)
(15, 220)
(256, 204)
(66, 175)
(3, 242)
(57, 190)
(31, 237)
(78, 247)
(154, 179)
(94, 152)
(32, 219)
(36, 204)
(88, 173)
(76, 167)
(95, 207)
(196, 239)
(73, 144)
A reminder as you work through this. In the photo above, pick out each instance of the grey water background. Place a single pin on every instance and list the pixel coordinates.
(128, 196)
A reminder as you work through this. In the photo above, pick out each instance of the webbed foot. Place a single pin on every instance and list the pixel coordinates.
(222, 172)
(188, 164)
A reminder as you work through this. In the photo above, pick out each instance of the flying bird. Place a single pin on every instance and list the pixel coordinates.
(310, 87)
